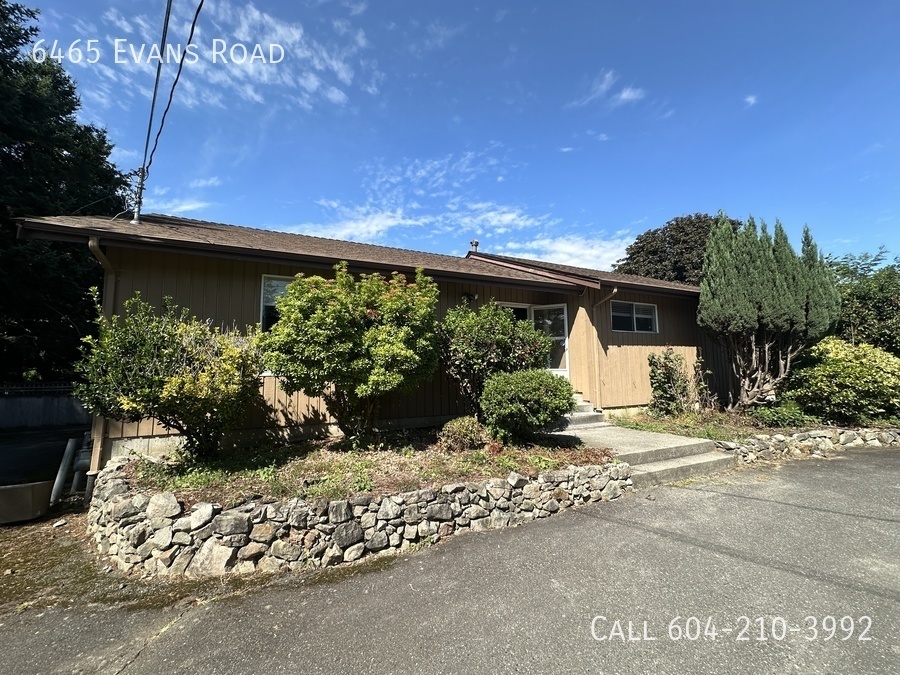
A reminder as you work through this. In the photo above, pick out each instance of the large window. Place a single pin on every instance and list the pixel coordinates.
(552, 321)
(634, 317)
(272, 287)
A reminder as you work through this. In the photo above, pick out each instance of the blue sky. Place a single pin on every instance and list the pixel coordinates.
(557, 130)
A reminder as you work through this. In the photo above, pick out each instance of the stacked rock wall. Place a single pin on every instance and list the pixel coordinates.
(154, 535)
(820, 443)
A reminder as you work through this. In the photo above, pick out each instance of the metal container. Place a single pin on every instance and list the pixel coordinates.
(24, 502)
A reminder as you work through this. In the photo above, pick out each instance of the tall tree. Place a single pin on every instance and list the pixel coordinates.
(764, 303)
(673, 252)
(870, 299)
(50, 164)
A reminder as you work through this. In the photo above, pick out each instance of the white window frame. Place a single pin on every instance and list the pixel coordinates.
(564, 372)
(655, 330)
(262, 292)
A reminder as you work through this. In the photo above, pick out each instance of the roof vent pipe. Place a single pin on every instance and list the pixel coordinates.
(474, 245)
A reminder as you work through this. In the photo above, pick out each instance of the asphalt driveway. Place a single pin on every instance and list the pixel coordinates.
(780, 546)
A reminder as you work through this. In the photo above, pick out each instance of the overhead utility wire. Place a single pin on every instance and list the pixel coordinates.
(141, 175)
(162, 122)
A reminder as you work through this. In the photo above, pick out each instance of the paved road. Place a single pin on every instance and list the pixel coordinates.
(812, 538)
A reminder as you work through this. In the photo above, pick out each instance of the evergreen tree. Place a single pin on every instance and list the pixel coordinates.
(50, 164)
(763, 303)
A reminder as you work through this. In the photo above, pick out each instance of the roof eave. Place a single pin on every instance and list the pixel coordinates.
(589, 282)
(41, 229)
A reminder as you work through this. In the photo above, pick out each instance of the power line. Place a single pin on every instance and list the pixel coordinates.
(162, 48)
(162, 122)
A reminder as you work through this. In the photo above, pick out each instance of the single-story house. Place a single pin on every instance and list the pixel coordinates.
(603, 324)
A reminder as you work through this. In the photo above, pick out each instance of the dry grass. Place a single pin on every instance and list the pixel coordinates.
(328, 468)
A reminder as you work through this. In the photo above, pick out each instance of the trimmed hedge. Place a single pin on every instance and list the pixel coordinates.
(518, 405)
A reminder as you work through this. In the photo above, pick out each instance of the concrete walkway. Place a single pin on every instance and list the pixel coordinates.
(656, 458)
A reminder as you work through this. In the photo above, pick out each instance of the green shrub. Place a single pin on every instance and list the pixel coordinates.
(462, 434)
(170, 366)
(840, 382)
(476, 345)
(785, 415)
(670, 384)
(351, 341)
(517, 405)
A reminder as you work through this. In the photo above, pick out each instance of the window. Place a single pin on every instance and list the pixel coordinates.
(519, 311)
(552, 321)
(634, 317)
(272, 287)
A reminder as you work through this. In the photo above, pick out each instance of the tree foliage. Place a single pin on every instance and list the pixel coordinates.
(673, 252)
(516, 405)
(845, 383)
(50, 164)
(353, 341)
(475, 345)
(172, 367)
(870, 299)
(669, 383)
(764, 303)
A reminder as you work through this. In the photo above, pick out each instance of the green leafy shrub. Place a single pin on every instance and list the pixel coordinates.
(847, 383)
(475, 345)
(518, 405)
(185, 373)
(351, 341)
(785, 415)
(462, 434)
(670, 384)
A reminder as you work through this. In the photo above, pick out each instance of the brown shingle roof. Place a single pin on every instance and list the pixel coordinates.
(169, 232)
(584, 273)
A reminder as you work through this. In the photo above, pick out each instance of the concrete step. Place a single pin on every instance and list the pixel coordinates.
(583, 419)
(583, 407)
(647, 455)
(681, 468)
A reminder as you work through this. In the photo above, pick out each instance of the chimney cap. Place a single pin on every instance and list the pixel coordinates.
(474, 245)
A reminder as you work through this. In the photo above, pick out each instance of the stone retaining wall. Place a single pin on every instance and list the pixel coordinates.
(153, 534)
(819, 443)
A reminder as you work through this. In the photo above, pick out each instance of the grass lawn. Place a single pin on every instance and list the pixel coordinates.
(716, 426)
(395, 462)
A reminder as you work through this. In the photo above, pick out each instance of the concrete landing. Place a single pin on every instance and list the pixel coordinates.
(656, 458)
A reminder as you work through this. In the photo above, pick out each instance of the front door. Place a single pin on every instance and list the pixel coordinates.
(552, 321)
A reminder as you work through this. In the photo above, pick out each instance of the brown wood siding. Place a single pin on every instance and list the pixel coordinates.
(229, 293)
(624, 374)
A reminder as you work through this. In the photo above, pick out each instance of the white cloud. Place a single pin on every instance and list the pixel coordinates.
(628, 95)
(598, 89)
(750, 100)
(597, 253)
(212, 181)
(566, 149)
(174, 206)
(434, 196)
(113, 16)
(335, 95)
(437, 35)
(120, 156)
(601, 88)
(315, 70)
